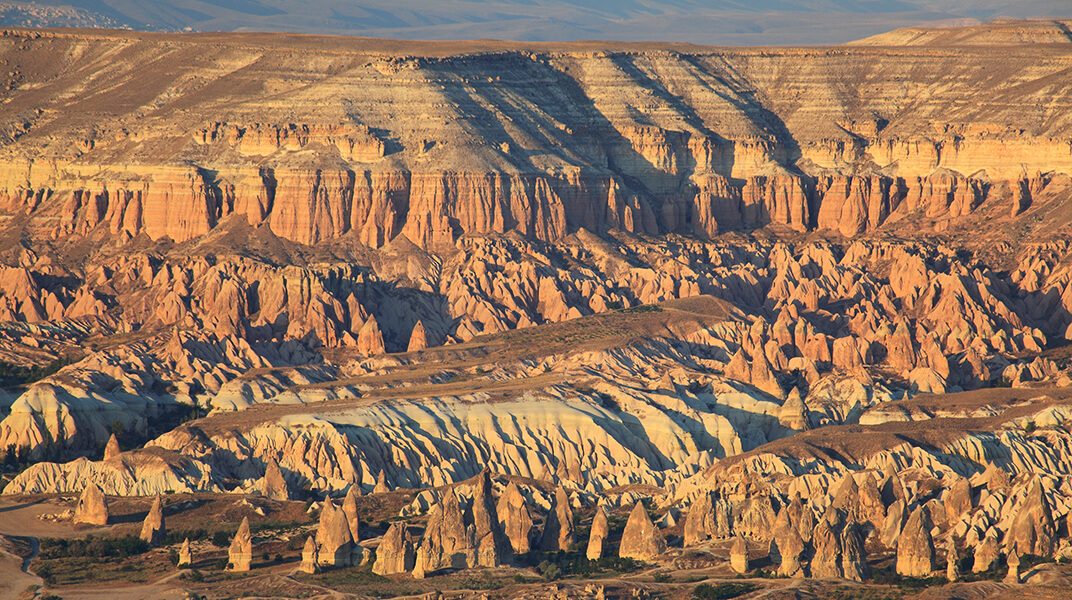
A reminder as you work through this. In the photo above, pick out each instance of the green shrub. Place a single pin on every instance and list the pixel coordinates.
(722, 591)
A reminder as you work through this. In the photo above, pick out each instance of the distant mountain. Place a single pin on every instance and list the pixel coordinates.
(717, 22)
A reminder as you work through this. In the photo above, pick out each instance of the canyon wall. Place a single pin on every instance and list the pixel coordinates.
(168, 136)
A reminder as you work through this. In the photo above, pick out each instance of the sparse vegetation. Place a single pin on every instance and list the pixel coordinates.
(721, 591)
(12, 375)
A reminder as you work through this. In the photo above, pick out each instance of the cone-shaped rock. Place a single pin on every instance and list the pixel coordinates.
(186, 556)
(152, 529)
(240, 553)
(790, 549)
(986, 553)
(349, 508)
(310, 557)
(381, 484)
(370, 339)
(853, 555)
(446, 543)
(915, 548)
(700, 522)
(952, 562)
(1033, 531)
(92, 507)
(558, 528)
(337, 545)
(395, 554)
(958, 501)
(491, 545)
(892, 526)
(111, 450)
(516, 519)
(1013, 576)
(641, 540)
(826, 541)
(418, 339)
(598, 536)
(273, 485)
(794, 413)
(739, 555)
(327, 513)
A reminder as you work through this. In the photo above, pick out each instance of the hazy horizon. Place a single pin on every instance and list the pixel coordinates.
(716, 22)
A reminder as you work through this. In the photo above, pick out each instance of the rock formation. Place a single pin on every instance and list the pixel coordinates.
(986, 554)
(310, 557)
(335, 544)
(489, 542)
(349, 508)
(915, 548)
(515, 519)
(418, 338)
(240, 554)
(1033, 530)
(447, 543)
(641, 540)
(739, 555)
(558, 527)
(92, 507)
(952, 562)
(395, 553)
(186, 557)
(111, 449)
(273, 485)
(827, 549)
(1013, 576)
(699, 523)
(599, 532)
(152, 529)
(381, 484)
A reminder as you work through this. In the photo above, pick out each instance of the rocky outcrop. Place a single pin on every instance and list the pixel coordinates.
(739, 555)
(699, 523)
(186, 557)
(111, 449)
(92, 507)
(310, 558)
(395, 553)
(558, 527)
(349, 508)
(915, 547)
(240, 554)
(152, 529)
(273, 485)
(488, 540)
(1033, 530)
(597, 537)
(447, 543)
(335, 543)
(641, 539)
(515, 519)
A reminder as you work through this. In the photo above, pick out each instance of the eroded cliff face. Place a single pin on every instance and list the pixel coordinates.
(169, 136)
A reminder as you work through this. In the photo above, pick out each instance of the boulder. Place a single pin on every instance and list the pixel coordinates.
(240, 554)
(92, 507)
(395, 553)
(641, 540)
